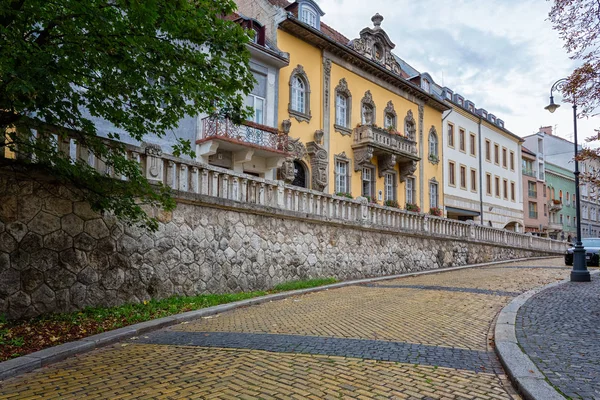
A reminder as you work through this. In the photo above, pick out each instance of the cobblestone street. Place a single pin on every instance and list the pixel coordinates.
(559, 329)
(423, 337)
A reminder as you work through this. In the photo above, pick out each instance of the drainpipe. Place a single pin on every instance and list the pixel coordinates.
(480, 174)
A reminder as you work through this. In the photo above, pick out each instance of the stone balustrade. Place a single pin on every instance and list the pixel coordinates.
(208, 180)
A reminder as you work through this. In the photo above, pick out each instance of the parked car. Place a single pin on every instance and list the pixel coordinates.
(591, 246)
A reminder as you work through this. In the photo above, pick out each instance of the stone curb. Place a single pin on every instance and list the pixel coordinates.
(523, 373)
(51, 355)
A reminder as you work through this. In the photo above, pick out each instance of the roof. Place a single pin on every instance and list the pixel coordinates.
(526, 150)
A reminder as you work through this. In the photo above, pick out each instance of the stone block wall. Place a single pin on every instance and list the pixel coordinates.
(56, 254)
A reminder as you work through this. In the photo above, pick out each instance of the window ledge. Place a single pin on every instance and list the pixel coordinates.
(300, 116)
(342, 129)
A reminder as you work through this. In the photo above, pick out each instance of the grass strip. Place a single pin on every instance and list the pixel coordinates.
(21, 337)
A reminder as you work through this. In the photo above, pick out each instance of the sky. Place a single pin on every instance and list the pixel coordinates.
(501, 54)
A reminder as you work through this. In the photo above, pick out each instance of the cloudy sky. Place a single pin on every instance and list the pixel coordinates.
(501, 54)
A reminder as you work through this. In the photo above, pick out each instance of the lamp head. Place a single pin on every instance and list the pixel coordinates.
(552, 106)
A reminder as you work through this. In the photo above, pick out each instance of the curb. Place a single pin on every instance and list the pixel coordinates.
(523, 373)
(42, 358)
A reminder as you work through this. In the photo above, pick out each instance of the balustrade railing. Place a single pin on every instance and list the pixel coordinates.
(208, 180)
(248, 133)
(373, 135)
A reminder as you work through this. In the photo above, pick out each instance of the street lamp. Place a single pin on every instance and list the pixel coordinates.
(579, 273)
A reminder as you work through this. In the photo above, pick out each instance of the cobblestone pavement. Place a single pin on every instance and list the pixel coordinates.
(423, 337)
(559, 329)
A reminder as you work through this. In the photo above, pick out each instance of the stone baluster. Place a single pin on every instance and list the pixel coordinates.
(64, 146)
(280, 196)
(304, 203)
(214, 184)
(244, 190)
(204, 182)
(224, 186)
(296, 200)
(234, 194)
(311, 204)
(194, 180)
(252, 193)
(171, 177)
(261, 194)
(183, 178)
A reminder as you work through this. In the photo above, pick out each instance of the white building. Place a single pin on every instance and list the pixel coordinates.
(482, 165)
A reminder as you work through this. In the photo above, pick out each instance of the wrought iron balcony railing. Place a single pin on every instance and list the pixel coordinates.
(530, 172)
(248, 133)
(532, 193)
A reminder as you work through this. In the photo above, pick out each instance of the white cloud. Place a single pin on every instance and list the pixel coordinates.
(501, 54)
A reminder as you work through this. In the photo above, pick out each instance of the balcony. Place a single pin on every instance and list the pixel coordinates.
(533, 214)
(530, 172)
(390, 148)
(532, 193)
(246, 142)
(555, 226)
(555, 205)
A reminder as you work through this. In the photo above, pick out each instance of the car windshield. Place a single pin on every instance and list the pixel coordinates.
(590, 242)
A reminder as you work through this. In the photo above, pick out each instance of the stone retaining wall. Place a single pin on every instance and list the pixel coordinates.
(58, 255)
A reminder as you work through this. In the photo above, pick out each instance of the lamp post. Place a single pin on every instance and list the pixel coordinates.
(579, 273)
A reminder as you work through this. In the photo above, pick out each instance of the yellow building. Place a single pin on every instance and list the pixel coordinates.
(357, 125)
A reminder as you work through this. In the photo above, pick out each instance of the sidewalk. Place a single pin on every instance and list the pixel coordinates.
(559, 329)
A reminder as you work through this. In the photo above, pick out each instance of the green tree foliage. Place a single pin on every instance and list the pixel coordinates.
(141, 65)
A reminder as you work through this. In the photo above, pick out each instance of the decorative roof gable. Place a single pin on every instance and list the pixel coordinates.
(376, 45)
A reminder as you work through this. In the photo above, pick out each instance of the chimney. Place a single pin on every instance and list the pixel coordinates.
(546, 129)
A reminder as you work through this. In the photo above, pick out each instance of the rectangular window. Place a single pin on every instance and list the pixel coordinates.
(504, 158)
(410, 191)
(473, 180)
(488, 184)
(496, 154)
(256, 103)
(309, 17)
(533, 210)
(450, 135)
(451, 173)
(472, 144)
(461, 139)
(463, 177)
(390, 187)
(341, 177)
(545, 210)
(512, 191)
(497, 182)
(505, 187)
(433, 194)
(488, 146)
(341, 110)
(568, 220)
(367, 182)
(512, 160)
(532, 189)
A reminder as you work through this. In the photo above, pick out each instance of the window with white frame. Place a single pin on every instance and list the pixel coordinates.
(309, 17)
(298, 94)
(390, 121)
(341, 110)
(433, 194)
(341, 177)
(390, 186)
(433, 145)
(258, 105)
(367, 182)
(411, 195)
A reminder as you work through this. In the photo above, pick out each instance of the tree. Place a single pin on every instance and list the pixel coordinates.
(141, 65)
(578, 25)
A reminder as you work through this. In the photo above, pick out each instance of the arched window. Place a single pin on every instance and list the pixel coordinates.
(433, 145)
(343, 106)
(390, 117)
(300, 175)
(309, 16)
(560, 195)
(299, 105)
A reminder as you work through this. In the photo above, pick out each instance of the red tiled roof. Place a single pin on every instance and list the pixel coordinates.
(335, 35)
(232, 17)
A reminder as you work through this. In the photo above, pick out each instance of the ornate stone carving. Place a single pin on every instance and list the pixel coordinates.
(296, 148)
(376, 45)
(386, 163)
(319, 163)
(286, 124)
(369, 111)
(342, 88)
(407, 169)
(326, 78)
(319, 136)
(287, 172)
(410, 126)
(362, 156)
(152, 149)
